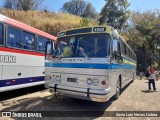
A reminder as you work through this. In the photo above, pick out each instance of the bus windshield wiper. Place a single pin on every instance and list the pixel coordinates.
(83, 53)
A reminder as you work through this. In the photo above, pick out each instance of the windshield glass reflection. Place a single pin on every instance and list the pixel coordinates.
(88, 45)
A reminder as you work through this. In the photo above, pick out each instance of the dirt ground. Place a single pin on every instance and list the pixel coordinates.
(134, 97)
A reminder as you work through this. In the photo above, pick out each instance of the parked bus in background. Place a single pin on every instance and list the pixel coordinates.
(93, 63)
(22, 50)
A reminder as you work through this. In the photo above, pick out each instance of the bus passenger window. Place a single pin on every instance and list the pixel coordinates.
(124, 48)
(14, 37)
(41, 43)
(29, 41)
(1, 34)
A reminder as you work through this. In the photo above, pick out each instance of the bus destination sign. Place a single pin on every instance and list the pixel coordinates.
(99, 29)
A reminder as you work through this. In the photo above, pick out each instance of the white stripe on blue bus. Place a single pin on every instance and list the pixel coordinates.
(14, 87)
(19, 81)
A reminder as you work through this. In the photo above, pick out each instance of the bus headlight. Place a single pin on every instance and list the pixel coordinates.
(92, 81)
(89, 81)
(95, 82)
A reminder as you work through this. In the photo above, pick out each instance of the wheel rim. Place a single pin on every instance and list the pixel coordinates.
(118, 88)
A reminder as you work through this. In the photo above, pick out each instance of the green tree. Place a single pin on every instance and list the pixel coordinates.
(22, 4)
(115, 13)
(79, 8)
(90, 11)
(8, 4)
(144, 33)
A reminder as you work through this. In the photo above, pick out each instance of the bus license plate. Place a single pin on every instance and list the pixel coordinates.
(71, 80)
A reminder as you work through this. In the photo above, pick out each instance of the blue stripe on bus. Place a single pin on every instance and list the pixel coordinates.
(92, 66)
(18, 81)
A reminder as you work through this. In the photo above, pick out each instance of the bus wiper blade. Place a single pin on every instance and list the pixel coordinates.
(83, 53)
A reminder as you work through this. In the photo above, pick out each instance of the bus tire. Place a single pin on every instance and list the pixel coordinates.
(133, 79)
(118, 89)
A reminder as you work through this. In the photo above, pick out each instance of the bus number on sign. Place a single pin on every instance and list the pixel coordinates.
(99, 29)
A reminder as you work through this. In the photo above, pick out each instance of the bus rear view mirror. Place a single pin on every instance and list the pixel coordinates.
(49, 50)
(55, 50)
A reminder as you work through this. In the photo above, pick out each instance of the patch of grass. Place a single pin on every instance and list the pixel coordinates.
(49, 22)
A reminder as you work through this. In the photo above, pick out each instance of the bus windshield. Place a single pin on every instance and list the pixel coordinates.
(87, 45)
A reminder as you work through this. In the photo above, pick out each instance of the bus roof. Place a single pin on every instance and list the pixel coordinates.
(28, 28)
(85, 30)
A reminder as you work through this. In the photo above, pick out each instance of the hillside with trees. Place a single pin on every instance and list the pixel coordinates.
(27, 12)
(22, 4)
(49, 22)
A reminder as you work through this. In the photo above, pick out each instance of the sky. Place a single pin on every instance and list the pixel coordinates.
(135, 5)
(140, 5)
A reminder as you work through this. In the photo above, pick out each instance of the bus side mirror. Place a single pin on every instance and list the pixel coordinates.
(49, 50)
(115, 55)
(54, 53)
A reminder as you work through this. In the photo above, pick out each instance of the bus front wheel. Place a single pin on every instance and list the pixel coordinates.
(133, 79)
(118, 89)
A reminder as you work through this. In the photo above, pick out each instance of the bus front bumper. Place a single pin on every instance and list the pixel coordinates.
(98, 95)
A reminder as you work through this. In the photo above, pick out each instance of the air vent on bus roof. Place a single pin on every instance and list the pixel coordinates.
(78, 31)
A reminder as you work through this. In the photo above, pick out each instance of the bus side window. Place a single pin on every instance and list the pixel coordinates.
(14, 37)
(124, 49)
(28, 41)
(116, 50)
(41, 43)
(1, 34)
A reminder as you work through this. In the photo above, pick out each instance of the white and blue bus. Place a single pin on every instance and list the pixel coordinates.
(22, 53)
(92, 63)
